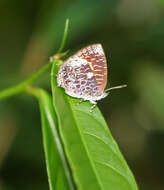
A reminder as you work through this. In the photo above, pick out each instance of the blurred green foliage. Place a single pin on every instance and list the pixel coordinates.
(132, 34)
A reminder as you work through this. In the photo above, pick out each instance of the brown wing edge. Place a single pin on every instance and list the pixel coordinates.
(102, 85)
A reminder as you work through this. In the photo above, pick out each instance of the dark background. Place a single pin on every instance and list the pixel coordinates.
(132, 34)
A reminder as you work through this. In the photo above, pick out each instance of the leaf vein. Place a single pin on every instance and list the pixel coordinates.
(115, 151)
(116, 170)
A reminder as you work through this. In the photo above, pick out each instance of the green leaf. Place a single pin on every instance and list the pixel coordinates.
(58, 172)
(93, 155)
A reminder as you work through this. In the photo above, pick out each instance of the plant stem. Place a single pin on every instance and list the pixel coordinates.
(17, 89)
(64, 37)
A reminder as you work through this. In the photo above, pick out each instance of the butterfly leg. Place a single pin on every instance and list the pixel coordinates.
(79, 102)
(94, 105)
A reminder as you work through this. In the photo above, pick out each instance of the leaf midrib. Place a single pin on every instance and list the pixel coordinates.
(84, 144)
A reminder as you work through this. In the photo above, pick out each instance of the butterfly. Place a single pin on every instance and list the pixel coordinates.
(84, 75)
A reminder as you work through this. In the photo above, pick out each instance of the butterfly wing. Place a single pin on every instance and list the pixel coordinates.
(84, 75)
(95, 56)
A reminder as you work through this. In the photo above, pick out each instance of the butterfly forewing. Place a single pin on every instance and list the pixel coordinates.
(95, 56)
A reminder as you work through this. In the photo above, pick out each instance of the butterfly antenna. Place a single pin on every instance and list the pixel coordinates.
(116, 87)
